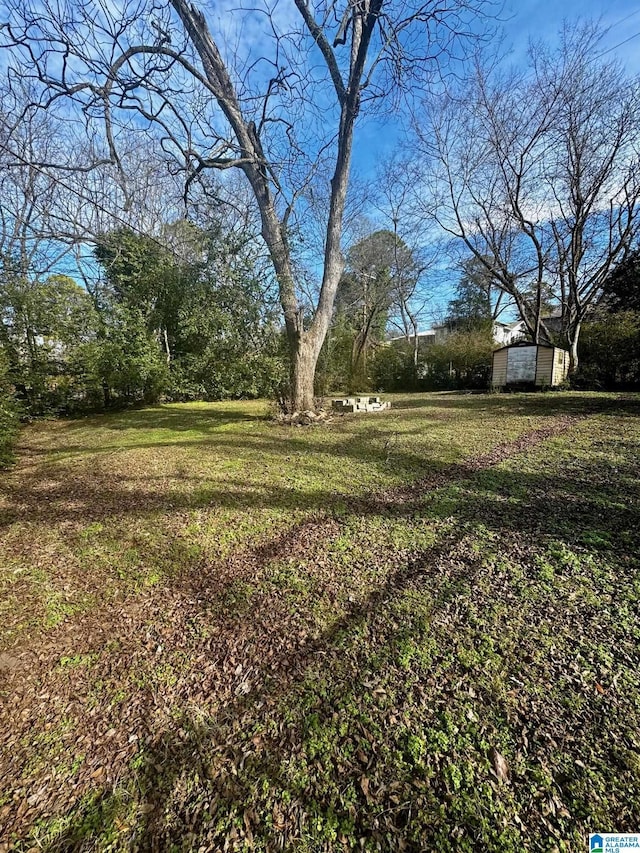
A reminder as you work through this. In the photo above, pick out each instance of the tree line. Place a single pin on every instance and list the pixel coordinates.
(124, 135)
(154, 324)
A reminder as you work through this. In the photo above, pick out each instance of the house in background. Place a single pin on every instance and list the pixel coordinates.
(509, 333)
(503, 334)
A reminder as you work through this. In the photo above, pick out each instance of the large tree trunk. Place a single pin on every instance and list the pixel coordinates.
(303, 374)
(574, 336)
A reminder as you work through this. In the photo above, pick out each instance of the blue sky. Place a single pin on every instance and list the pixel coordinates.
(541, 19)
(522, 21)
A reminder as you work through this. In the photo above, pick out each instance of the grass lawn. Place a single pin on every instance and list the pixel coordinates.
(416, 630)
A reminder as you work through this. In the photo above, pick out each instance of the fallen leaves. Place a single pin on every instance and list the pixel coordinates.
(196, 702)
(500, 765)
(364, 786)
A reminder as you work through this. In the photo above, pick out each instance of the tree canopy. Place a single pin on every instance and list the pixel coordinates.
(622, 287)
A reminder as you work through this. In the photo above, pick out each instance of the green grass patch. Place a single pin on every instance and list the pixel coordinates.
(280, 642)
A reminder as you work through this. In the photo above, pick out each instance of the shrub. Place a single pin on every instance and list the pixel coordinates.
(9, 414)
(461, 360)
(393, 368)
(610, 352)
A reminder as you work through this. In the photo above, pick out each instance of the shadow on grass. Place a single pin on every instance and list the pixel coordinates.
(94, 498)
(184, 417)
(377, 441)
(196, 418)
(324, 677)
(216, 751)
(89, 500)
(261, 769)
(535, 404)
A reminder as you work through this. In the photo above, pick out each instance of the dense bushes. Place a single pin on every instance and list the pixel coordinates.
(393, 368)
(8, 414)
(610, 352)
(156, 326)
(609, 359)
(461, 360)
(63, 354)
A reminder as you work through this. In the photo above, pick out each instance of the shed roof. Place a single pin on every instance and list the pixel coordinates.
(525, 344)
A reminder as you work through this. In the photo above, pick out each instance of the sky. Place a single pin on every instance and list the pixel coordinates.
(521, 22)
(541, 19)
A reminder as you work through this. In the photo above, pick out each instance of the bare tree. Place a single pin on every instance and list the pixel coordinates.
(58, 196)
(29, 195)
(276, 111)
(365, 294)
(537, 174)
(29, 251)
(416, 253)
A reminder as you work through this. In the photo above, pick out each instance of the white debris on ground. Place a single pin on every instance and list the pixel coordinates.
(359, 404)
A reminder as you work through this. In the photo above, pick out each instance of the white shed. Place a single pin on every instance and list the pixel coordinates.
(537, 365)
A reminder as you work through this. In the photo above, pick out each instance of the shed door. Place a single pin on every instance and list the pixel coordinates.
(521, 364)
